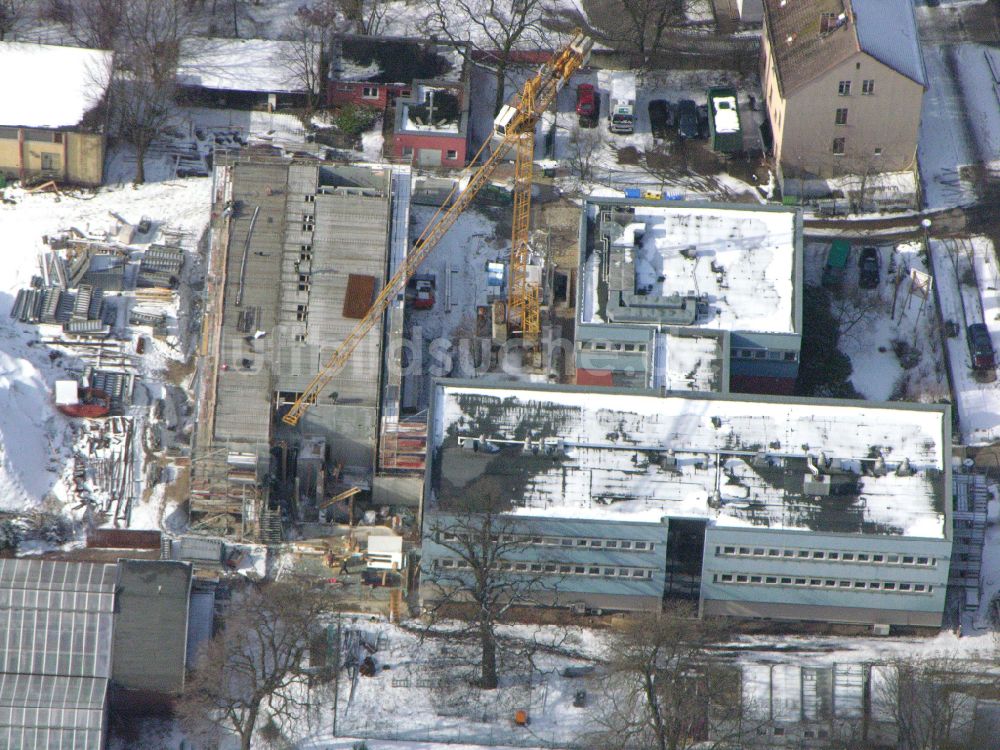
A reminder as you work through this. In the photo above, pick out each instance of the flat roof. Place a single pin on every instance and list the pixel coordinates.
(746, 461)
(48, 86)
(688, 363)
(702, 265)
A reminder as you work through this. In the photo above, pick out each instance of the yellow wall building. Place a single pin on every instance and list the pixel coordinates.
(56, 135)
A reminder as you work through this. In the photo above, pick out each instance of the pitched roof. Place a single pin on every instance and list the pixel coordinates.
(73, 81)
(261, 65)
(809, 37)
(900, 50)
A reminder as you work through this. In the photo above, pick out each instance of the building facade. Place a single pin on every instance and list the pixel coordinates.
(843, 97)
(678, 296)
(59, 134)
(790, 509)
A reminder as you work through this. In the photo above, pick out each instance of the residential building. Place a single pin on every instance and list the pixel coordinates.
(374, 71)
(689, 296)
(843, 95)
(762, 507)
(56, 626)
(51, 124)
(299, 254)
(249, 73)
(432, 125)
(425, 86)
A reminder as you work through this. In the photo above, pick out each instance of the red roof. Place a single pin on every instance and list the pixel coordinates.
(593, 377)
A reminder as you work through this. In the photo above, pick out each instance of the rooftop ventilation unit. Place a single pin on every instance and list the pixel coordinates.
(817, 484)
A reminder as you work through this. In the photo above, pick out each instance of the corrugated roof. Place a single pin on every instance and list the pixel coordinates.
(56, 617)
(55, 713)
(887, 31)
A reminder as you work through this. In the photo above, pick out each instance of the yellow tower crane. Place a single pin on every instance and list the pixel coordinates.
(514, 125)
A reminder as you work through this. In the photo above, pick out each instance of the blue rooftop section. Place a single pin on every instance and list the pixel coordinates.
(887, 30)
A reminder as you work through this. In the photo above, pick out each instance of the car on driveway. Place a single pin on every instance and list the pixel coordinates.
(980, 346)
(869, 274)
(687, 119)
(587, 103)
(660, 117)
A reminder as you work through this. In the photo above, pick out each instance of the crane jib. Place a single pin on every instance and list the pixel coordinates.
(536, 96)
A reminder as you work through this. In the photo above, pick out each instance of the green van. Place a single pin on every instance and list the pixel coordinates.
(836, 264)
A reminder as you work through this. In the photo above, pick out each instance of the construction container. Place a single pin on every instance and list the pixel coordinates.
(724, 120)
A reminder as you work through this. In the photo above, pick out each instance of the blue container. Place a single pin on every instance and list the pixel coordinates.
(633, 193)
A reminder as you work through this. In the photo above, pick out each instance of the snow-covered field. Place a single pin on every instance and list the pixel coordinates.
(36, 440)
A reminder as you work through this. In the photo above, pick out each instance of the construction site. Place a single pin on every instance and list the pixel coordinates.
(299, 250)
(307, 429)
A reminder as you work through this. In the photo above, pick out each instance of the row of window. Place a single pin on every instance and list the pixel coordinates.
(560, 541)
(840, 147)
(32, 134)
(603, 346)
(878, 558)
(867, 87)
(826, 583)
(602, 571)
(765, 354)
(367, 92)
(450, 153)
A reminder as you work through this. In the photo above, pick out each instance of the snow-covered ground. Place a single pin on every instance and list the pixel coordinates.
(967, 282)
(36, 440)
(943, 148)
(873, 329)
(978, 68)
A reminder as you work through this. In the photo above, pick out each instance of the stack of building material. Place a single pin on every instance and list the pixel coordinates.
(161, 267)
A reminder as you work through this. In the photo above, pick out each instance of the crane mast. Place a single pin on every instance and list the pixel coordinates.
(515, 125)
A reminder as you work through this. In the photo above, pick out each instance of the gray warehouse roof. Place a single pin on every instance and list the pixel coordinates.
(56, 617)
(819, 465)
(150, 640)
(56, 713)
(55, 623)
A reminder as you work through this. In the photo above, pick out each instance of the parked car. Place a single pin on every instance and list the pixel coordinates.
(980, 347)
(687, 119)
(703, 126)
(587, 106)
(870, 273)
(659, 117)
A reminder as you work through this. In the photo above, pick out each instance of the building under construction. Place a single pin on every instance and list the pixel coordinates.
(299, 251)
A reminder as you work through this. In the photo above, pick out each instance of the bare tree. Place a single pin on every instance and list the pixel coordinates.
(142, 80)
(12, 14)
(584, 144)
(641, 27)
(366, 16)
(496, 28)
(251, 674)
(665, 688)
(930, 700)
(476, 578)
(301, 59)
